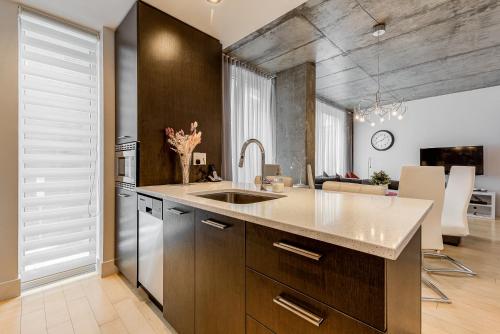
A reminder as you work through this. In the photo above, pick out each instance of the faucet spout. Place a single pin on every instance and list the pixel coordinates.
(262, 154)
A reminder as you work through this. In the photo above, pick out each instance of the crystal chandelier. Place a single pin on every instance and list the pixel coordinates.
(372, 110)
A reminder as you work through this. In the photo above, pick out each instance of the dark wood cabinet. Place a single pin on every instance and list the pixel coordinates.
(348, 280)
(220, 274)
(287, 311)
(255, 327)
(223, 275)
(178, 266)
(126, 233)
(168, 74)
(126, 78)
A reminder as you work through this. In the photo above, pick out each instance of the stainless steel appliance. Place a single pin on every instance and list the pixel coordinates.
(150, 246)
(126, 163)
(126, 169)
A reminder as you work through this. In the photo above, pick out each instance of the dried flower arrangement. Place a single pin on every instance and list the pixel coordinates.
(184, 145)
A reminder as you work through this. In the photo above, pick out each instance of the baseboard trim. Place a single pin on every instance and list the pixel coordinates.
(107, 268)
(10, 289)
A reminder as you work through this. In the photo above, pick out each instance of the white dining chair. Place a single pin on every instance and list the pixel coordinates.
(426, 182)
(454, 217)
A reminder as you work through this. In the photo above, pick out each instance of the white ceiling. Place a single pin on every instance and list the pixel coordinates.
(232, 19)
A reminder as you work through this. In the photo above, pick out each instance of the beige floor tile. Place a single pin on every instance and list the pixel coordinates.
(56, 312)
(82, 317)
(73, 291)
(53, 295)
(31, 303)
(10, 321)
(34, 323)
(101, 306)
(63, 328)
(9, 304)
(114, 289)
(132, 318)
(154, 317)
(114, 327)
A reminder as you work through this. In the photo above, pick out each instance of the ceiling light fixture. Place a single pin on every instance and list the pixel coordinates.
(378, 30)
(370, 110)
(214, 2)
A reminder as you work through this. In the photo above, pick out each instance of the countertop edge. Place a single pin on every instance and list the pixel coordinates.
(364, 247)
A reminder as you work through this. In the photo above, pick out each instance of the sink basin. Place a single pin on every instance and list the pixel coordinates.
(236, 197)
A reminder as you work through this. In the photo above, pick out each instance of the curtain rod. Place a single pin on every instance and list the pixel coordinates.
(250, 67)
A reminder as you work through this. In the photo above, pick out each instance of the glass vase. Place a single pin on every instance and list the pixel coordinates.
(185, 165)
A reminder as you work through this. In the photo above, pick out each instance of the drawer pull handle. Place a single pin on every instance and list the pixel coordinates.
(124, 195)
(215, 224)
(298, 251)
(123, 137)
(177, 212)
(298, 311)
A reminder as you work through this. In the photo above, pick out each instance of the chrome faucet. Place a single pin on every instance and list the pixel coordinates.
(262, 154)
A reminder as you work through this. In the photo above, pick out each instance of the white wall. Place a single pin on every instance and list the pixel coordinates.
(107, 236)
(466, 118)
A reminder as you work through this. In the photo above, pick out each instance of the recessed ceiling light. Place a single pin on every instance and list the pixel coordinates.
(214, 2)
(378, 30)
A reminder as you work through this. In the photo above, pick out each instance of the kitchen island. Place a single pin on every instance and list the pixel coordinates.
(303, 261)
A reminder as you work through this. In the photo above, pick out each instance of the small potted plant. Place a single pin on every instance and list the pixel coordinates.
(184, 145)
(381, 178)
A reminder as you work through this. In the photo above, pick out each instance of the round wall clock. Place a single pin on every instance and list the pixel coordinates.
(382, 140)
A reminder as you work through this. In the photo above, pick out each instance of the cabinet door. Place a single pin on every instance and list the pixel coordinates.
(178, 266)
(126, 78)
(126, 233)
(220, 274)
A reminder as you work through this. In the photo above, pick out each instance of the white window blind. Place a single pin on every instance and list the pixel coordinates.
(58, 107)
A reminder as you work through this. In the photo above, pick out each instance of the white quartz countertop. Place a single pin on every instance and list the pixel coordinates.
(378, 225)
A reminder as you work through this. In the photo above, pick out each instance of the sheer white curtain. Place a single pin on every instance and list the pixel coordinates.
(251, 114)
(331, 139)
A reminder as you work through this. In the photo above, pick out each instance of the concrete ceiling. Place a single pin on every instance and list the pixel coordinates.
(432, 47)
(232, 19)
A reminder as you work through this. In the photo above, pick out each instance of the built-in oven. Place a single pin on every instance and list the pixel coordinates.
(126, 164)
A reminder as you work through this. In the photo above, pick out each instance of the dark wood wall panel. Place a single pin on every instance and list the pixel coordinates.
(179, 79)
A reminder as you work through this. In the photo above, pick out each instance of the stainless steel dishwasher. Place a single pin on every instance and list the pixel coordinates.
(151, 246)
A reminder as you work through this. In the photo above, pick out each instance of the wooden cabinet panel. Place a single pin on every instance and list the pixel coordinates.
(178, 266)
(126, 233)
(260, 305)
(180, 76)
(126, 78)
(350, 281)
(220, 274)
(255, 327)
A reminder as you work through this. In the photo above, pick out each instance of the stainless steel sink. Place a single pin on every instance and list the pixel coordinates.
(236, 197)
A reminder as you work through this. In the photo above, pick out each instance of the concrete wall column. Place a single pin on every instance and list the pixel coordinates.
(295, 120)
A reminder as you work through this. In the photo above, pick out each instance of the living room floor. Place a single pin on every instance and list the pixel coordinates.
(475, 306)
(89, 304)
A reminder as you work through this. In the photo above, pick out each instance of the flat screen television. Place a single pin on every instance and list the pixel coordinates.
(453, 156)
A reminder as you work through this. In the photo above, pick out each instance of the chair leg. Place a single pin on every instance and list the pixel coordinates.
(460, 267)
(442, 297)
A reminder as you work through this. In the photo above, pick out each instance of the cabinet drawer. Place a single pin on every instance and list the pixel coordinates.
(287, 311)
(350, 281)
